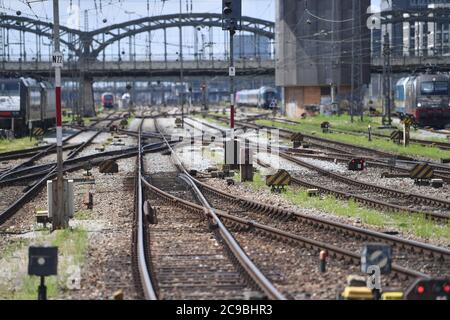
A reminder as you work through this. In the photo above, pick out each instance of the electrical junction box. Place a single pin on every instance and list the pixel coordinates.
(68, 197)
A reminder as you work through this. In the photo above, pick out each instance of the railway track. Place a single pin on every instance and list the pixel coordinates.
(40, 174)
(440, 171)
(416, 250)
(187, 259)
(386, 201)
(413, 246)
(439, 144)
(379, 197)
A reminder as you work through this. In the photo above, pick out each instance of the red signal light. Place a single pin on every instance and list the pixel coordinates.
(420, 289)
(447, 288)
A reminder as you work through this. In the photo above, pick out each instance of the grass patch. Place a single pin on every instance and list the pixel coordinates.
(130, 120)
(211, 120)
(17, 144)
(72, 246)
(415, 224)
(83, 215)
(377, 143)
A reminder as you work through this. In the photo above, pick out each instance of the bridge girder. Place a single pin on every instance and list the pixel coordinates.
(89, 44)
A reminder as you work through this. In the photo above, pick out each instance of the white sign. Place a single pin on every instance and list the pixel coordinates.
(232, 71)
(57, 60)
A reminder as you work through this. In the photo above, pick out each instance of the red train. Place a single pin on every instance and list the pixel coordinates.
(108, 101)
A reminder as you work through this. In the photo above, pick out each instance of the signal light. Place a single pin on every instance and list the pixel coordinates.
(447, 288)
(420, 289)
(227, 8)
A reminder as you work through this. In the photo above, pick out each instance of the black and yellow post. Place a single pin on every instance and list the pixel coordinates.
(407, 122)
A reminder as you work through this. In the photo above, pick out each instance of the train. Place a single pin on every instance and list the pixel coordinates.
(264, 97)
(108, 102)
(425, 97)
(26, 101)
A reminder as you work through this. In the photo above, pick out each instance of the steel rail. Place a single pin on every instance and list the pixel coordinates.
(245, 262)
(314, 244)
(52, 147)
(287, 134)
(38, 171)
(142, 259)
(420, 199)
(440, 144)
(412, 245)
(31, 192)
(364, 200)
(415, 246)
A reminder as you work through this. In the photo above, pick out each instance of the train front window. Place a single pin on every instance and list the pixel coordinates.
(434, 88)
(441, 87)
(270, 96)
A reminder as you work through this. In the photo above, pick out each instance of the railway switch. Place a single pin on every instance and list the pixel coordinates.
(88, 168)
(109, 166)
(230, 182)
(313, 192)
(437, 183)
(297, 139)
(325, 127)
(42, 262)
(356, 164)
(42, 217)
(150, 213)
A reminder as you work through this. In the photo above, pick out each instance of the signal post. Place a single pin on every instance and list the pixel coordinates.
(60, 219)
(231, 21)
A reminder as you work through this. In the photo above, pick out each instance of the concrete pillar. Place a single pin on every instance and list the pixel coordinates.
(87, 97)
(406, 38)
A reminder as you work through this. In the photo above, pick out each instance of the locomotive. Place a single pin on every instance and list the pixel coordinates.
(26, 101)
(107, 101)
(425, 97)
(264, 97)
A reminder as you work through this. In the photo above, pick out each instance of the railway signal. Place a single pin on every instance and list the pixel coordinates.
(357, 164)
(429, 289)
(231, 21)
(42, 262)
(376, 254)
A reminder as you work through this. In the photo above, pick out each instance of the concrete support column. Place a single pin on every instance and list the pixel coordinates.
(406, 39)
(87, 97)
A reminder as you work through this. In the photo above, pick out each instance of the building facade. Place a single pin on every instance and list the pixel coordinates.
(247, 46)
(416, 38)
(316, 50)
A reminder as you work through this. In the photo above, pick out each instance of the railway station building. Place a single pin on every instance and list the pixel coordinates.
(314, 52)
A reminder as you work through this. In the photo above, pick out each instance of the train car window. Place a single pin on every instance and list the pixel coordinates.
(441, 87)
(434, 88)
(427, 87)
(400, 92)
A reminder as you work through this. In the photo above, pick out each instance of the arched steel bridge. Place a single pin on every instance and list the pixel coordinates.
(89, 44)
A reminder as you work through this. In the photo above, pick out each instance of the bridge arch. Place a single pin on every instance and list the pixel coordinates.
(91, 43)
(253, 25)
